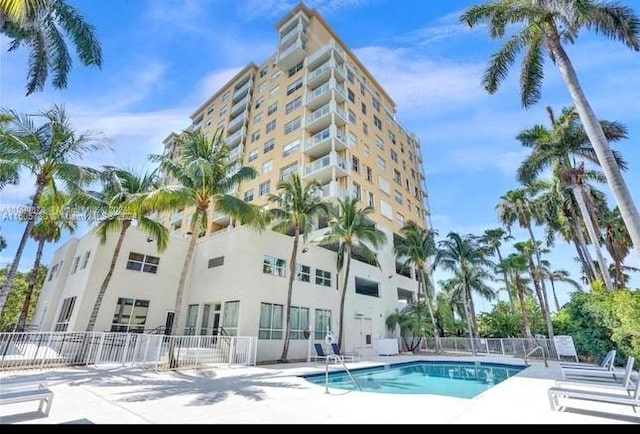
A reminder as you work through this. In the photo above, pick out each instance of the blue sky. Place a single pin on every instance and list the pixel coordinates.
(163, 58)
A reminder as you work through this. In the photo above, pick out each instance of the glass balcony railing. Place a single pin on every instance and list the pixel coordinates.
(324, 110)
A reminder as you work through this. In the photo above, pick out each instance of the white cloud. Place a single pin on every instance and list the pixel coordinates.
(213, 81)
(271, 8)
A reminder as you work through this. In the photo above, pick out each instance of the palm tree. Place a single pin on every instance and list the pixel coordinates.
(558, 276)
(546, 25)
(38, 25)
(52, 222)
(204, 174)
(47, 152)
(416, 246)
(297, 206)
(515, 265)
(121, 203)
(617, 242)
(494, 238)
(413, 322)
(353, 233)
(461, 255)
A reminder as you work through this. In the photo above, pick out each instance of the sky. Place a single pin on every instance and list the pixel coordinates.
(163, 58)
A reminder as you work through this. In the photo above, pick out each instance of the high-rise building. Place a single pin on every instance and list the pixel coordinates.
(311, 108)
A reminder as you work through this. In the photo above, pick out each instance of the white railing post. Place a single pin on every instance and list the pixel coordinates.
(232, 349)
(502, 346)
(45, 351)
(126, 348)
(99, 352)
(309, 340)
(486, 345)
(159, 350)
(146, 350)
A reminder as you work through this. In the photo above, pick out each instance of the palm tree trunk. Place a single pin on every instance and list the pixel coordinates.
(597, 138)
(472, 312)
(465, 302)
(292, 275)
(589, 268)
(555, 296)
(183, 278)
(343, 296)
(538, 290)
(4, 292)
(33, 278)
(526, 325)
(105, 282)
(619, 274)
(586, 268)
(579, 195)
(506, 283)
(427, 299)
(544, 302)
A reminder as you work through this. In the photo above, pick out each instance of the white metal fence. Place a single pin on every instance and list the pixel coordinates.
(517, 347)
(49, 349)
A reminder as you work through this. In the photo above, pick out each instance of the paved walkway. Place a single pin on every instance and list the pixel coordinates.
(275, 394)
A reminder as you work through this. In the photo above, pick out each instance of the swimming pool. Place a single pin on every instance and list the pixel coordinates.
(458, 379)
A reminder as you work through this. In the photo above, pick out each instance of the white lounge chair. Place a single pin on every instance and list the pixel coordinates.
(606, 364)
(621, 383)
(593, 372)
(589, 395)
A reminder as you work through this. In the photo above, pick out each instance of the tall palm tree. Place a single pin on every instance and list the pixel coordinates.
(413, 322)
(297, 206)
(617, 242)
(546, 26)
(557, 276)
(353, 233)
(516, 265)
(461, 255)
(38, 24)
(494, 238)
(53, 220)
(204, 174)
(416, 246)
(121, 204)
(47, 151)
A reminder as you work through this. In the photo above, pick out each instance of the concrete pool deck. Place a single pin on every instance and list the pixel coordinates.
(276, 394)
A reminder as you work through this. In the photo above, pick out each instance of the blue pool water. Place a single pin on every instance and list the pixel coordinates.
(458, 379)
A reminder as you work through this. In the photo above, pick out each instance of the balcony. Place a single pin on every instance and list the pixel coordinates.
(332, 190)
(236, 138)
(237, 122)
(239, 106)
(320, 74)
(235, 152)
(319, 119)
(175, 216)
(242, 91)
(221, 218)
(294, 33)
(320, 143)
(340, 93)
(322, 168)
(324, 53)
(293, 54)
(319, 96)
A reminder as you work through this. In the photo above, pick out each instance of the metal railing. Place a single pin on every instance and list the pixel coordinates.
(517, 347)
(155, 351)
(526, 356)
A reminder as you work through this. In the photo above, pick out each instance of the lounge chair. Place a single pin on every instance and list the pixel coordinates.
(590, 372)
(606, 364)
(345, 357)
(321, 355)
(623, 383)
(589, 395)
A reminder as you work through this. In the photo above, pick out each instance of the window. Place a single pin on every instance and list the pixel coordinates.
(268, 146)
(413, 174)
(259, 102)
(230, 317)
(294, 86)
(365, 128)
(270, 126)
(379, 143)
(363, 108)
(392, 137)
(400, 219)
(272, 108)
(292, 125)
(383, 185)
(257, 118)
(248, 195)
(262, 87)
(369, 175)
(351, 95)
(323, 277)
(322, 323)
(299, 322)
(285, 172)
(275, 266)
(303, 273)
(352, 116)
(367, 287)
(295, 69)
(394, 156)
(367, 151)
(381, 163)
(292, 105)
(225, 96)
(290, 148)
(377, 122)
(52, 272)
(275, 77)
(362, 87)
(351, 139)
(130, 315)
(376, 104)
(398, 196)
(350, 75)
(273, 91)
(140, 262)
(192, 318)
(253, 154)
(371, 202)
(215, 262)
(263, 71)
(255, 136)
(357, 191)
(385, 209)
(76, 261)
(270, 321)
(223, 110)
(396, 176)
(264, 188)
(65, 314)
(355, 164)
(267, 166)
(85, 260)
(210, 109)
